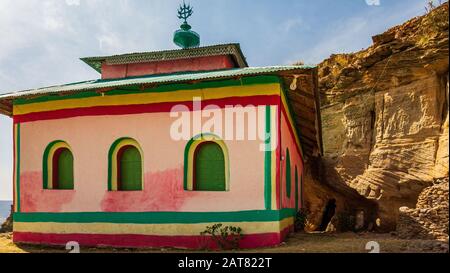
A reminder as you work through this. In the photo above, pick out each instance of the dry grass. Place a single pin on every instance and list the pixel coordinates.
(297, 243)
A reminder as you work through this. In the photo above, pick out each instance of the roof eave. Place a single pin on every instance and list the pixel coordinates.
(235, 52)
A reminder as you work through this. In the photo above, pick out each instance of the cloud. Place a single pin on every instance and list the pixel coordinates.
(373, 2)
(354, 33)
(73, 2)
(290, 24)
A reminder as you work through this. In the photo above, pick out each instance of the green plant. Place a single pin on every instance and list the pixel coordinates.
(226, 237)
(300, 220)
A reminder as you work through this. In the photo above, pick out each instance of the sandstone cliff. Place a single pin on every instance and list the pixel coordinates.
(385, 119)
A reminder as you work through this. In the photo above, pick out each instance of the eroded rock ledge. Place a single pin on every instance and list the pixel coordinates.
(385, 119)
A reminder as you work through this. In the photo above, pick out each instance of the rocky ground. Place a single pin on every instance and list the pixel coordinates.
(297, 243)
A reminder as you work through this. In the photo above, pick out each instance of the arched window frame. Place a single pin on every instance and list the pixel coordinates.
(49, 154)
(113, 164)
(189, 159)
(288, 174)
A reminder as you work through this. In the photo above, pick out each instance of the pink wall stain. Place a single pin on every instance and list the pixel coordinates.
(163, 191)
(33, 198)
(162, 166)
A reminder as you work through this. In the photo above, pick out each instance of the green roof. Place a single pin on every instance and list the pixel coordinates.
(153, 79)
(233, 50)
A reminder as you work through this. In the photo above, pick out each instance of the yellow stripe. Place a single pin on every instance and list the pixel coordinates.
(285, 223)
(273, 160)
(16, 193)
(147, 229)
(51, 154)
(145, 98)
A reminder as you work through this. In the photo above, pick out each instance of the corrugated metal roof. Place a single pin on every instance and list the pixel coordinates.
(154, 79)
(225, 49)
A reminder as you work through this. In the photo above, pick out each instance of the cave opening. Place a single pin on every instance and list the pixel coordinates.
(328, 214)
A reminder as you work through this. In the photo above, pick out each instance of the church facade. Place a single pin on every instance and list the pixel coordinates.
(164, 145)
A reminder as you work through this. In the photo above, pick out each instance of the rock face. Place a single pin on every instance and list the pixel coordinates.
(429, 220)
(385, 115)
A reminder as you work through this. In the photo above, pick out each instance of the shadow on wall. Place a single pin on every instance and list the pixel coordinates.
(334, 202)
(328, 214)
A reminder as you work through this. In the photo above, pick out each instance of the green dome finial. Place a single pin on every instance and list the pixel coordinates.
(185, 37)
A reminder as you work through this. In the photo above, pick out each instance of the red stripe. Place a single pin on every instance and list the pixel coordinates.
(145, 241)
(285, 232)
(291, 131)
(144, 108)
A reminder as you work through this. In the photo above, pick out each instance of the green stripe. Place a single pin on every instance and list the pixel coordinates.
(268, 163)
(160, 89)
(156, 217)
(18, 167)
(186, 163)
(110, 160)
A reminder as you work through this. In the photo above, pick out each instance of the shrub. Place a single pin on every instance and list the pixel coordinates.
(226, 237)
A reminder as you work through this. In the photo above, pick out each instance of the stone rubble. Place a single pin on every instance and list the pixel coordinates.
(430, 218)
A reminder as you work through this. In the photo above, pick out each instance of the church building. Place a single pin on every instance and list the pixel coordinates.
(163, 145)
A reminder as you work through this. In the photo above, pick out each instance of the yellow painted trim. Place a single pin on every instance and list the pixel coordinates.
(285, 223)
(193, 148)
(273, 160)
(145, 98)
(125, 142)
(147, 229)
(51, 153)
(16, 157)
(291, 122)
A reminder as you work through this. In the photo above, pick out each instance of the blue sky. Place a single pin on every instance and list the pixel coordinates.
(43, 39)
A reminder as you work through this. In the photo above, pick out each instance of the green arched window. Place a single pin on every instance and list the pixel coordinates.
(209, 168)
(63, 169)
(288, 173)
(58, 167)
(129, 169)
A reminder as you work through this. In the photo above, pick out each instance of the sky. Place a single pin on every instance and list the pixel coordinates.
(42, 40)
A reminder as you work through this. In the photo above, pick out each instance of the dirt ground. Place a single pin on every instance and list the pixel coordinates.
(296, 243)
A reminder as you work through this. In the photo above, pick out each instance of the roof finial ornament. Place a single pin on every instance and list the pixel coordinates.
(185, 37)
(184, 12)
